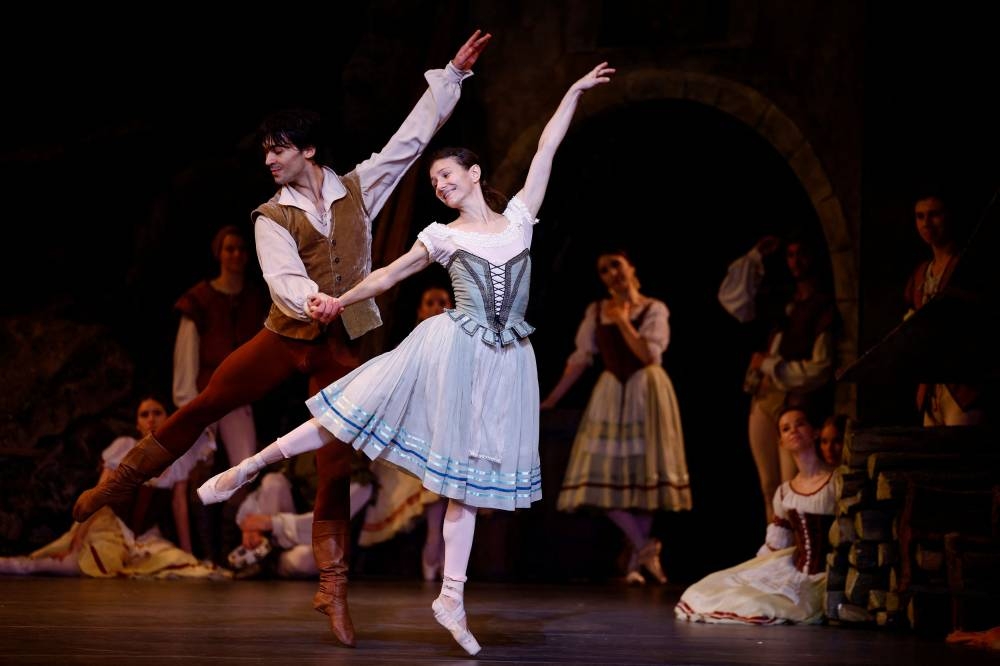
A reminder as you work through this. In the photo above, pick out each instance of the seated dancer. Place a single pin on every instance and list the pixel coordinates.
(785, 582)
(271, 526)
(107, 545)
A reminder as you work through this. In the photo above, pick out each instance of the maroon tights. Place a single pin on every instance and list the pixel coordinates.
(252, 371)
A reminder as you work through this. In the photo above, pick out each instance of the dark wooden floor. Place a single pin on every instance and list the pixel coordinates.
(87, 621)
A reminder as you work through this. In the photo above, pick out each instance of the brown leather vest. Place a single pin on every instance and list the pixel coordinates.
(335, 263)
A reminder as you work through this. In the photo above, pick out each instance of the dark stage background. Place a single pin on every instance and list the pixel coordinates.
(126, 148)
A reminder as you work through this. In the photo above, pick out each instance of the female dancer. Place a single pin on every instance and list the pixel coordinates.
(628, 456)
(784, 584)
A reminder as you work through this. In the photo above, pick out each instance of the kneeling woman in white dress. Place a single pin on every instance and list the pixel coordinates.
(785, 582)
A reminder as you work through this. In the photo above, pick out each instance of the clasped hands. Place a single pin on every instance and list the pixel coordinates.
(323, 308)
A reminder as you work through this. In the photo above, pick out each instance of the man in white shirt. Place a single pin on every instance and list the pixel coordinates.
(313, 236)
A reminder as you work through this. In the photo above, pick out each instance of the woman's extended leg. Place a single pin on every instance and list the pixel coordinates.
(307, 437)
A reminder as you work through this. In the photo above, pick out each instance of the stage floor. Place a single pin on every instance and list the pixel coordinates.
(87, 621)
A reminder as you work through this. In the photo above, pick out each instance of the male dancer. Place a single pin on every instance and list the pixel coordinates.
(313, 236)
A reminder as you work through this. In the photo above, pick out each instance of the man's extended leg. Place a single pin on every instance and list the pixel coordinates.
(246, 375)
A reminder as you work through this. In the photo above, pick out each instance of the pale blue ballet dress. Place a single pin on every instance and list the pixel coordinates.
(456, 403)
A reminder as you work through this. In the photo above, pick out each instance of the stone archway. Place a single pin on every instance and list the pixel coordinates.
(765, 118)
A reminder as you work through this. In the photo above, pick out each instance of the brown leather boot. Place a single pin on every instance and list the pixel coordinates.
(146, 460)
(330, 542)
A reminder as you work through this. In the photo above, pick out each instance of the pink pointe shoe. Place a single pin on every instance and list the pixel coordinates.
(246, 471)
(453, 619)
